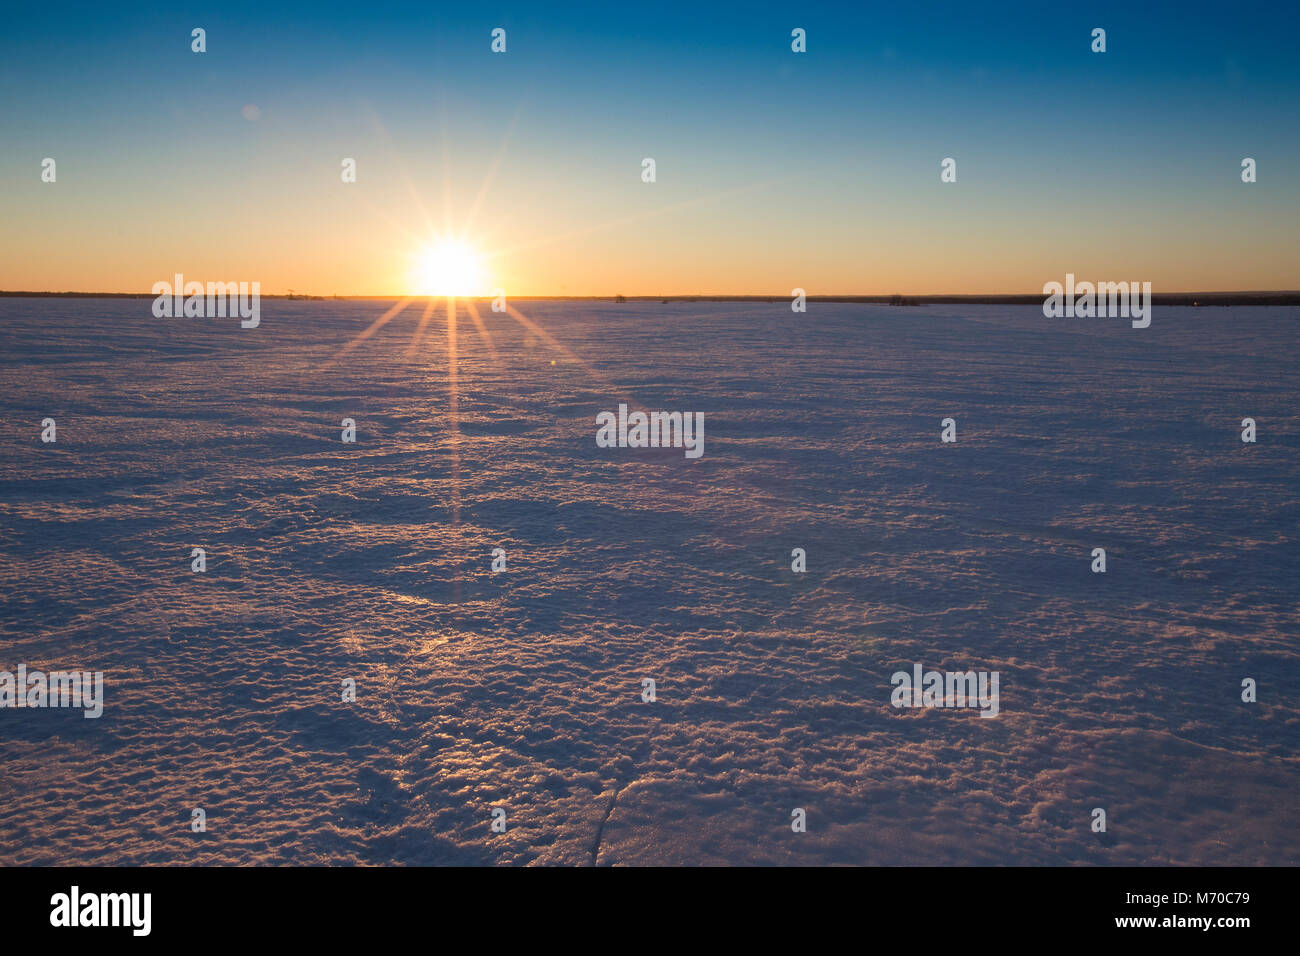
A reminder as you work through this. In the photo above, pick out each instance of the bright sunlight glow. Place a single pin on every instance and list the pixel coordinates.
(448, 268)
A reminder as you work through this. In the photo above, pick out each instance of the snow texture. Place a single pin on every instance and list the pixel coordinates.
(522, 689)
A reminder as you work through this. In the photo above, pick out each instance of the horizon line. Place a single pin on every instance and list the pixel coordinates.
(1239, 297)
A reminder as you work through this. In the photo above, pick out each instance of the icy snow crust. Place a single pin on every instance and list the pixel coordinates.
(522, 689)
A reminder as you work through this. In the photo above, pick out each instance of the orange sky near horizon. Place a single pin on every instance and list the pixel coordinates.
(349, 241)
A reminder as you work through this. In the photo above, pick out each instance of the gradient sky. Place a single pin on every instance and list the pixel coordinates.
(775, 170)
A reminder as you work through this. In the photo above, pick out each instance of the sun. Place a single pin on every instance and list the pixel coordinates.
(448, 267)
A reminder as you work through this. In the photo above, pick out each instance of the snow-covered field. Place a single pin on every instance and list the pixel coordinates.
(522, 690)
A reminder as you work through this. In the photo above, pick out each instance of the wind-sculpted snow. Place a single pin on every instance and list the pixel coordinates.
(522, 690)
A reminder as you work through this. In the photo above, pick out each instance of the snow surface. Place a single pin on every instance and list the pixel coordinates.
(523, 689)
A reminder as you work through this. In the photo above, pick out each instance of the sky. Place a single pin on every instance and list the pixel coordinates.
(774, 169)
